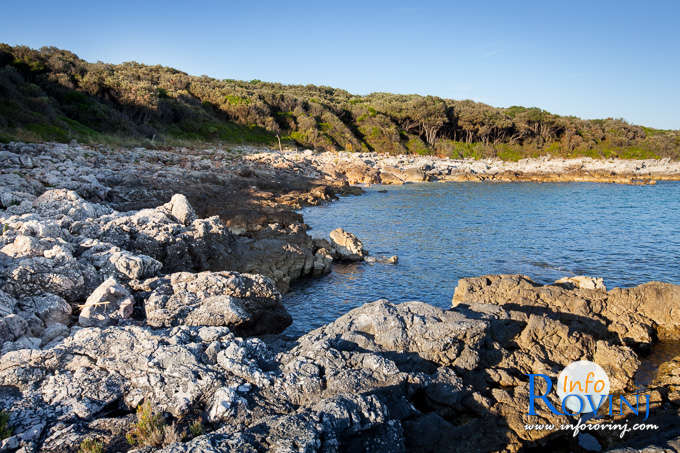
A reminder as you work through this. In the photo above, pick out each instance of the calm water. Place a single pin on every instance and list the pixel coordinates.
(441, 232)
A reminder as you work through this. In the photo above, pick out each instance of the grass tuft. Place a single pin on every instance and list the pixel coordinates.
(149, 429)
(91, 445)
(5, 430)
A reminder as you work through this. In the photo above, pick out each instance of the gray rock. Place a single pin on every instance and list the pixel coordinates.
(635, 314)
(50, 308)
(248, 304)
(111, 260)
(54, 333)
(180, 209)
(67, 204)
(7, 303)
(15, 198)
(225, 403)
(56, 272)
(12, 327)
(205, 244)
(109, 303)
(394, 259)
(323, 260)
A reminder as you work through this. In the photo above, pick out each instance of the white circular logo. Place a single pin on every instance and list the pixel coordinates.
(582, 387)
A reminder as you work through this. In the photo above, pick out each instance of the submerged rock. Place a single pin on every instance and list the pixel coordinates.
(394, 259)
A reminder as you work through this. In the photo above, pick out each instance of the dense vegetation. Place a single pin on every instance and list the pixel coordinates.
(51, 94)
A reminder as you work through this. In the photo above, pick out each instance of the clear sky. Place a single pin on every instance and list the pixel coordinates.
(592, 59)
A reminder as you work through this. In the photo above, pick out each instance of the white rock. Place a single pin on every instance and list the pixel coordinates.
(225, 403)
(583, 282)
(347, 246)
(180, 209)
(108, 303)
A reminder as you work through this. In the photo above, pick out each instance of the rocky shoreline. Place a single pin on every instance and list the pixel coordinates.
(372, 168)
(135, 280)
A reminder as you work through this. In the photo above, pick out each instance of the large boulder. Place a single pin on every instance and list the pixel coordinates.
(109, 260)
(110, 303)
(248, 304)
(636, 315)
(179, 208)
(278, 258)
(346, 246)
(204, 244)
(95, 371)
(54, 271)
(358, 172)
(382, 344)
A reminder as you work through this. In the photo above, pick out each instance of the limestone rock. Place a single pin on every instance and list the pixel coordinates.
(394, 259)
(67, 204)
(359, 173)
(225, 401)
(322, 262)
(248, 304)
(57, 271)
(634, 314)
(581, 281)
(380, 343)
(12, 327)
(180, 209)
(347, 246)
(109, 303)
(48, 307)
(108, 259)
(205, 244)
(7, 303)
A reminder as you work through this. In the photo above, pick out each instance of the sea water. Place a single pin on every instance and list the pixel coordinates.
(445, 231)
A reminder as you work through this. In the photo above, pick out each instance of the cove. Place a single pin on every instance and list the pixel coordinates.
(445, 231)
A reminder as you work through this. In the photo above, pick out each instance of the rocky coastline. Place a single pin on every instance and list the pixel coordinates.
(373, 168)
(151, 280)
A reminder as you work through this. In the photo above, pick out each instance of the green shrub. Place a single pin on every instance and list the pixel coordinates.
(49, 132)
(51, 94)
(91, 445)
(5, 430)
(196, 428)
(299, 137)
(149, 428)
(511, 153)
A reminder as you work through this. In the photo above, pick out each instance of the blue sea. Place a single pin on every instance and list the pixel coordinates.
(445, 231)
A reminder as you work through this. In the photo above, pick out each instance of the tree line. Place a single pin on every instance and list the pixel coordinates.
(52, 94)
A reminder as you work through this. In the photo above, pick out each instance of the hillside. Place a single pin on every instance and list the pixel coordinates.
(51, 94)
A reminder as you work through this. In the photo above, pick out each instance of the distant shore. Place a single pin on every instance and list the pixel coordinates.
(374, 168)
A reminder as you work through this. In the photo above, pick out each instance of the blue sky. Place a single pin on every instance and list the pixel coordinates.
(590, 59)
